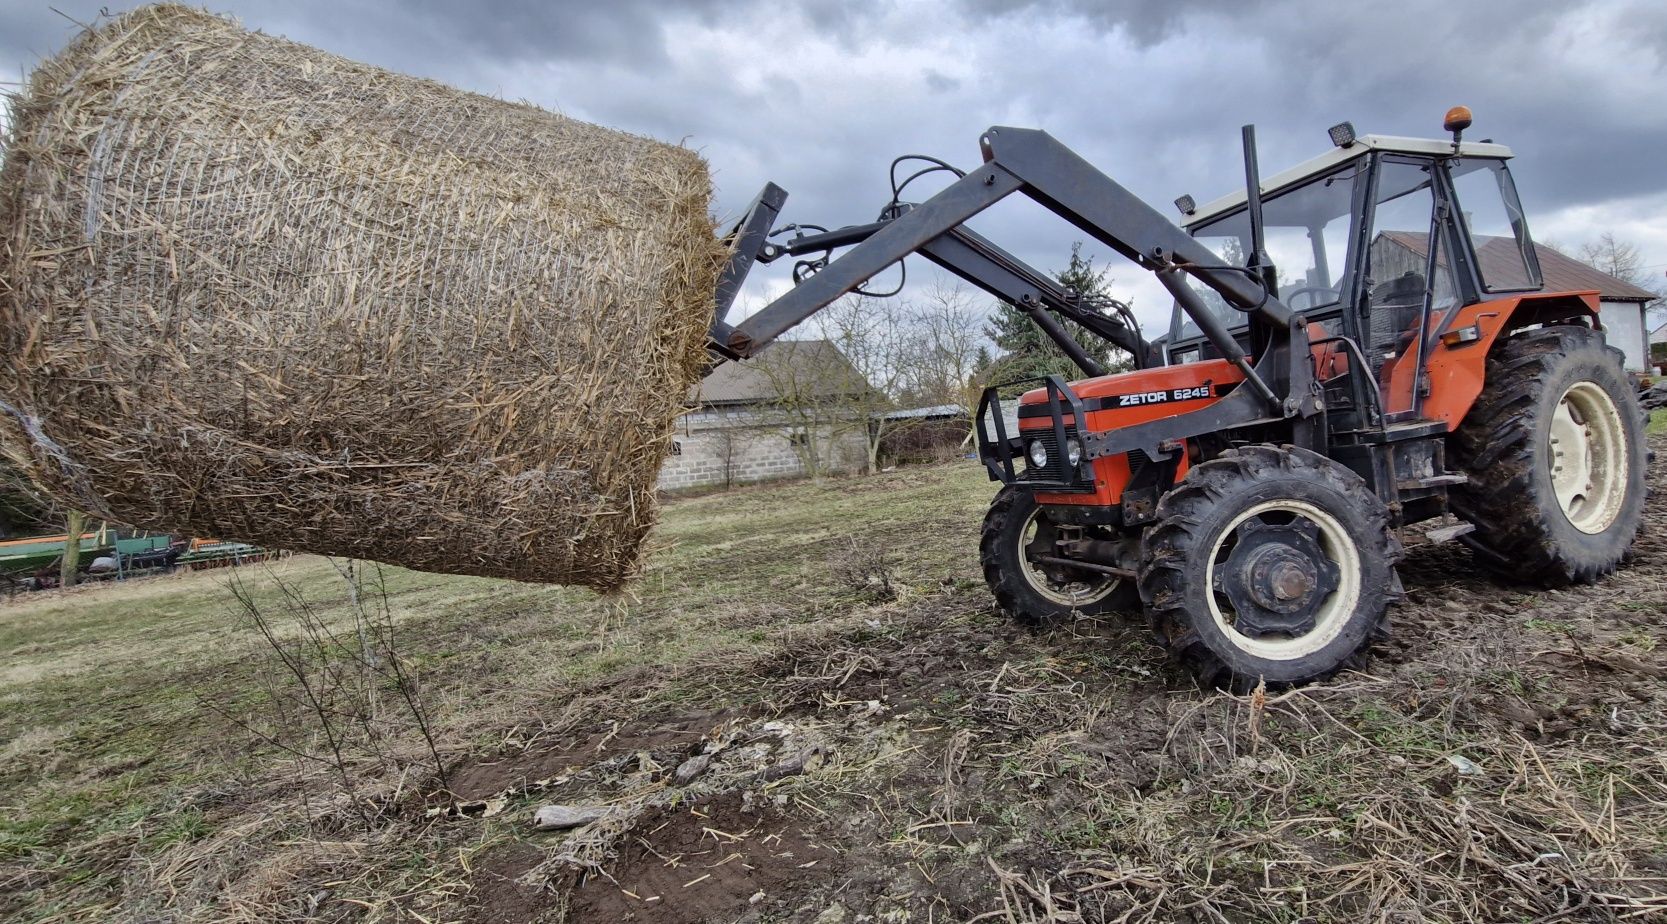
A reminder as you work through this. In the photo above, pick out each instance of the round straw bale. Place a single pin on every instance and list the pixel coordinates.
(255, 290)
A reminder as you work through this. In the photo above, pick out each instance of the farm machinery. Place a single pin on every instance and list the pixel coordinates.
(1357, 344)
(110, 552)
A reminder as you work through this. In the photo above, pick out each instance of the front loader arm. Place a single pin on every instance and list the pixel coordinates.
(979, 262)
(1034, 163)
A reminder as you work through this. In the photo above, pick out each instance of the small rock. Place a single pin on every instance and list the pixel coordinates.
(802, 762)
(756, 897)
(1464, 765)
(691, 768)
(647, 764)
(562, 817)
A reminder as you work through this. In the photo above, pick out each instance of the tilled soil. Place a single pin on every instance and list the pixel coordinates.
(1500, 759)
(708, 861)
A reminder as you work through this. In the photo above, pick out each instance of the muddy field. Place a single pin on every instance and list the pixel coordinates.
(785, 725)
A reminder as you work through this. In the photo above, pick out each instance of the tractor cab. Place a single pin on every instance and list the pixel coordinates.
(1377, 243)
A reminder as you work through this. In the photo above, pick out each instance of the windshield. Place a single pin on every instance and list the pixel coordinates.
(1307, 233)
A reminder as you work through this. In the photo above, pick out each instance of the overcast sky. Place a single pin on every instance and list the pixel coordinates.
(820, 96)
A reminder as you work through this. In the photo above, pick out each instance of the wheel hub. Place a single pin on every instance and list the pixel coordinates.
(1588, 451)
(1064, 586)
(1277, 578)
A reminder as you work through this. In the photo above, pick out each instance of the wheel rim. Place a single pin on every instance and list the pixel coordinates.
(1588, 457)
(1071, 594)
(1283, 578)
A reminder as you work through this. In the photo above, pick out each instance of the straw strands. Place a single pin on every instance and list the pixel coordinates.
(255, 290)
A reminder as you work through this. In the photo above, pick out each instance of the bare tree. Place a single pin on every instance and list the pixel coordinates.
(1615, 257)
(882, 343)
(1623, 260)
(69, 565)
(945, 368)
(728, 438)
(810, 385)
(325, 692)
(24, 510)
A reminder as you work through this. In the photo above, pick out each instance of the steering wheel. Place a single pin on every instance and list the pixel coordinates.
(1314, 294)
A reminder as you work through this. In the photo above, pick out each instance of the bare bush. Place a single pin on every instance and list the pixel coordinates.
(867, 570)
(342, 700)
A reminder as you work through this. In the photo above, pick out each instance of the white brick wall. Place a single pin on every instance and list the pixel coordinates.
(736, 448)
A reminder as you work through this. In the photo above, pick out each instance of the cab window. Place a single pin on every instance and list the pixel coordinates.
(1306, 229)
(1492, 216)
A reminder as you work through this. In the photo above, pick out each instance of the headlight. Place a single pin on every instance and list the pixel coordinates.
(1038, 454)
(1073, 451)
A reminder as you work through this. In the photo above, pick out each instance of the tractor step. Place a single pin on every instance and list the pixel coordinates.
(1433, 481)
(1449, 533)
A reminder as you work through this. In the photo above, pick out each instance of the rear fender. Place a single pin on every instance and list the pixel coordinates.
(1458, 369)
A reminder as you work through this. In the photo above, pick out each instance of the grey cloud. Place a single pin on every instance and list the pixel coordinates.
(940, 83)
(820, 96)
(506, 30)
(1146, 23)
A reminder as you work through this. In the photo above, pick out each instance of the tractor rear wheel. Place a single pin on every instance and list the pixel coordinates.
(1016, 530)
(1555, 452)
(1269, 564)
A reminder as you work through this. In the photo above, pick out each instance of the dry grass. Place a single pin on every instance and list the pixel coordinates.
(256, 290)
(967, 768)
(127, 799)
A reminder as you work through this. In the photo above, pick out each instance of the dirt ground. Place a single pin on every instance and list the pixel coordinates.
(1501, 760)
(787, 726)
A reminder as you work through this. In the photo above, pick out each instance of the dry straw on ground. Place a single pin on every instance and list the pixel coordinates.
(256, 290)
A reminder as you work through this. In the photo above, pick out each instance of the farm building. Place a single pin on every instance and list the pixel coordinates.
(1621, 304)
(786, 412)
(928, 434)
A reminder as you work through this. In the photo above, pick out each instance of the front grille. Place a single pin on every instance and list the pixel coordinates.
(1058, 468)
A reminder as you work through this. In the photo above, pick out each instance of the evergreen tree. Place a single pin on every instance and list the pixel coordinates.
(1025, 352)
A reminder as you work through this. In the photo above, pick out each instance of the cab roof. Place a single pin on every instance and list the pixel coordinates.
(1338, 156)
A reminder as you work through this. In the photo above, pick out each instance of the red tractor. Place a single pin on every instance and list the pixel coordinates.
(1358, 344)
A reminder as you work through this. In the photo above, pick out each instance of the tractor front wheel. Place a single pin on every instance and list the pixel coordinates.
(1270, 564)
(1017, 530)
(1554, 449)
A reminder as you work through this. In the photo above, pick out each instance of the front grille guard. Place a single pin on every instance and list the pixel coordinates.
(997, 449)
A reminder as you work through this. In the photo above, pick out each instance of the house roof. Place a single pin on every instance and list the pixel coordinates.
(814, 368)
(927, 413)
(1561, 272)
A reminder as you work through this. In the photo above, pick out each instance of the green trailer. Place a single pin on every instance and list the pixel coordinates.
(23, 558)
